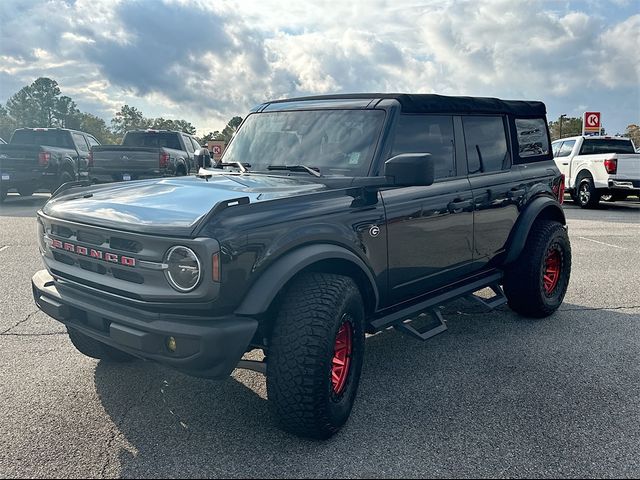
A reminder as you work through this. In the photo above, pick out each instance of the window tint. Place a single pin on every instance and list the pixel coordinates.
(80, 142)
(152, 139)
(427, 134)
(92, 141)
(486, 144)
(565, 149)
(187, 143)
(595, 146)
(52, 138)
(532, 137)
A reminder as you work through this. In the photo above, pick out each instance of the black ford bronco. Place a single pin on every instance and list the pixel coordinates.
(330, 217)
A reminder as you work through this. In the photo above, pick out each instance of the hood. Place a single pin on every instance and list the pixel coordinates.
(171, 206)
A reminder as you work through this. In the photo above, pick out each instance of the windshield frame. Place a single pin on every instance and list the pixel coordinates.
(371, 162)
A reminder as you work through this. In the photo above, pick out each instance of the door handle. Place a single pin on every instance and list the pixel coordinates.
(565, 163)
(458, 205)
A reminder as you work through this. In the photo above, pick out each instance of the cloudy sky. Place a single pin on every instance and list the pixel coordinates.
(206, 61)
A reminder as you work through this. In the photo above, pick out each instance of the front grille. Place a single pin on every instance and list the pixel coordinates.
(61, 231)
(83, 281)
(89, 237)
(125, 245)
(127, 275)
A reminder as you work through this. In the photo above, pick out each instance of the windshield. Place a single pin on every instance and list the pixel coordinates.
(337, 142)
(50, 138)
(152, 139)
(593, 146)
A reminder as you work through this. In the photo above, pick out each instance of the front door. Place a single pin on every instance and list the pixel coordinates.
(429, 229)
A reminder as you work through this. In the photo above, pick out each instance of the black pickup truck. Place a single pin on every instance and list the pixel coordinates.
(43, 158)
(330, 217)
(144, 154)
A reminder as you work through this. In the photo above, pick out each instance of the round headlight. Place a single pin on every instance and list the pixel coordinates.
(183, 268)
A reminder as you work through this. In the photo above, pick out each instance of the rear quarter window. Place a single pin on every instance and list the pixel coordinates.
(598, 146)
(532, 137)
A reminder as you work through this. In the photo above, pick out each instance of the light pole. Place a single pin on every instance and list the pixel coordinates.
(561, 117)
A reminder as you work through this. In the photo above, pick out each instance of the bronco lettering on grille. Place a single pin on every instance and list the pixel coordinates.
(93, 253)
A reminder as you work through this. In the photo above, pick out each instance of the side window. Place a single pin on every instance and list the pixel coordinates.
(565, 149)
(92, 141)
(532, 137)
(80, 142)
(555, 146)
(196, 145)
(486, 144)
(427, 134)
(187, 143)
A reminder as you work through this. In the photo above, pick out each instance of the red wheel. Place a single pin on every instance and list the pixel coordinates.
(552, 267)
(341, 357)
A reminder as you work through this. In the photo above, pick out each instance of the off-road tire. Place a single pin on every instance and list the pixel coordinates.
(95, 349)
(527, 283)
(587, 196)
(301, 354)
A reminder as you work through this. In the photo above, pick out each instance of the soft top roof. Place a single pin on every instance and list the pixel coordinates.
(431, 103)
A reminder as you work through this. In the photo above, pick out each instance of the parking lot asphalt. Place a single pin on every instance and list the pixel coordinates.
(494, 396)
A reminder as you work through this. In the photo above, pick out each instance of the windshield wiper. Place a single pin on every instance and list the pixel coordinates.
(296, 168)
(242, 166)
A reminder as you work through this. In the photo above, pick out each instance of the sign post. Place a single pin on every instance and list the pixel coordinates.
(591, 123)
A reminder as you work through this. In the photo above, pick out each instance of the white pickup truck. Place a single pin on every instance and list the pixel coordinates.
(596, 166)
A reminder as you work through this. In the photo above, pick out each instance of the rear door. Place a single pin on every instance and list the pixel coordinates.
(563, 158)
(497, 188)
(429, 229)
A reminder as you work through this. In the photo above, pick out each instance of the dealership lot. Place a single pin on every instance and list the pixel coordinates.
(496, 395)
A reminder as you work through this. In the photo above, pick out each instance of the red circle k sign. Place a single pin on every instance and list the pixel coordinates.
(592, 119)
(217, 149)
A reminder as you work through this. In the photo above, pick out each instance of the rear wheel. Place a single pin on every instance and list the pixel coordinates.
(315, 355)
(587, 195)
(535, 284)
(95, 349)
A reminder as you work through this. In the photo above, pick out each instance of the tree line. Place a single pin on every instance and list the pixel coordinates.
(572, 126)
(42, 104)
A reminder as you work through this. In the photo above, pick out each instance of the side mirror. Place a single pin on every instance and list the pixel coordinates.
(203, 158)
(410, 169)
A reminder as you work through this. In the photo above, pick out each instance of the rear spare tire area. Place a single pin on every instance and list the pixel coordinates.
(536, 283)
(315, 354)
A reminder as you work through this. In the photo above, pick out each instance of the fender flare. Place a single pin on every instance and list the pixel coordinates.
(67, 165)
(260, 295)
(181, 162)
(546, 206)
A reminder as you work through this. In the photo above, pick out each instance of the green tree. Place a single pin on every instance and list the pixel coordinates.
(7, 124)
(97, 127)
(571, 126)
(184, 126)
(161, 123)
(633, 132)
(64, 112)
(128, 118)
(230, 129)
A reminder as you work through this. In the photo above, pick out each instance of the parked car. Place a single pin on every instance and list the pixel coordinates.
(329, 217)
(594, 166)
(43, 158)
(144, 154)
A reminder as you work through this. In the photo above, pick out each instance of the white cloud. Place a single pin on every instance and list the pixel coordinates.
(206, 62)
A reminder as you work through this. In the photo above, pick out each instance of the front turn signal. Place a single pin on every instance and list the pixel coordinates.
(215, 267)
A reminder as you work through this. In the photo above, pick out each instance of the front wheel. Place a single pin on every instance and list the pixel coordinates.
(315, 355)
(535, 284)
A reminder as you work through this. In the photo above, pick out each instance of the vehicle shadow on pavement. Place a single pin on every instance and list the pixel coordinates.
(496, 395)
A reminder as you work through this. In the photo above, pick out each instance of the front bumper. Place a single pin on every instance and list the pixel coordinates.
(208, 347)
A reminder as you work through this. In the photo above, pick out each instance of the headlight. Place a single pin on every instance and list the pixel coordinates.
(183, 268)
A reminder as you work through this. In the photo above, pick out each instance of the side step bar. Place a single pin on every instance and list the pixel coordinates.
(402, 320)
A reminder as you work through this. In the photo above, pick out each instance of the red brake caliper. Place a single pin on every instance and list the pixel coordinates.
(552, 265)
(341, 358)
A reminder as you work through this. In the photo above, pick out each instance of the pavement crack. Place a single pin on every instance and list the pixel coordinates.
(45, 334)
(623, 307)
(20, 322)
